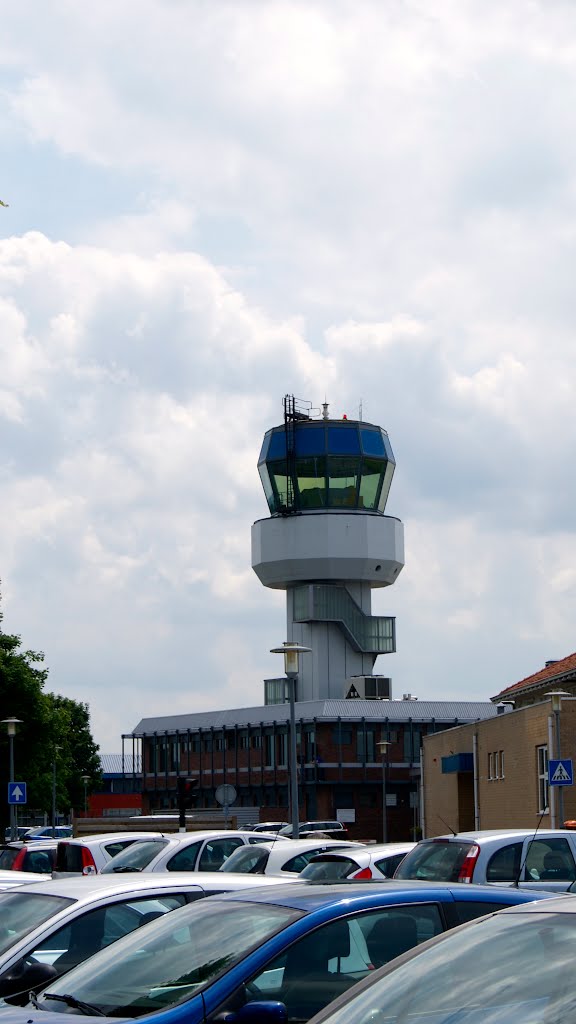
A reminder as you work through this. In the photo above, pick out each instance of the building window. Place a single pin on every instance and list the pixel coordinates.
(342, 736)
(495, 765)
(542, 768)
(365, 745)
(282, 742)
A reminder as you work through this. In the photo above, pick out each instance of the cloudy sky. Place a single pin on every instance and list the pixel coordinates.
(213, 203)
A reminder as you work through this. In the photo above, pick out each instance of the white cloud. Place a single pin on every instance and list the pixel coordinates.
(212, 205)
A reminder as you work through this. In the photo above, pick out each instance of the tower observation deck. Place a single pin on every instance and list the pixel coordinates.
(328, 542)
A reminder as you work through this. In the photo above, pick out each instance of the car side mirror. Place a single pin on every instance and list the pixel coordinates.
(24, 976)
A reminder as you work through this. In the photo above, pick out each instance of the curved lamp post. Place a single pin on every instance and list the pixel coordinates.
(292, 652)
(11, 724)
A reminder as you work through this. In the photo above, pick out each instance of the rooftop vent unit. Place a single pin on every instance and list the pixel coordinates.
(409, 696)
(368, 688)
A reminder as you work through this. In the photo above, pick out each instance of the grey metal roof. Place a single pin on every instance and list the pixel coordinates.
(445, 711)
(112, 764)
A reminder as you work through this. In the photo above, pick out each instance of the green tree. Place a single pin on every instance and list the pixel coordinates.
(54, 731)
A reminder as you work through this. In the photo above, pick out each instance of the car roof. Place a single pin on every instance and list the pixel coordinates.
(312, 895)
(102, 837)
(498, 833)
(88, 887)
(302, 845)
(191, 837)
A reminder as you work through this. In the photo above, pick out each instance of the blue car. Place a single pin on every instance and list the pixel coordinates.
(273, 954)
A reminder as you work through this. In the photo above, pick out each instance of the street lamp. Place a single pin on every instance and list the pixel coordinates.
(556, 698)
(11, 724)
(85, 780)
(383, 748)
(291, 652)
(56, 749)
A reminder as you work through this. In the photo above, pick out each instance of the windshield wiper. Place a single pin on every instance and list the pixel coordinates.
(77, 1004)
(125, 867)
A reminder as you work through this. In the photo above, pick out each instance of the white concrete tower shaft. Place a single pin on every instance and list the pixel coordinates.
(328, 543)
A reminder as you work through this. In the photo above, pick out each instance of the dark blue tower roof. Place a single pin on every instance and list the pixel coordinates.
(326, 465)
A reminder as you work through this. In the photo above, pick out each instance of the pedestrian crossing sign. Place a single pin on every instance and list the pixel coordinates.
(560, 772)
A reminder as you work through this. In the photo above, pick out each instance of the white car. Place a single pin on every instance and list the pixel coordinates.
(50, 927)
(186, 851)
(281, 858)
(376, 861)
(89, 855)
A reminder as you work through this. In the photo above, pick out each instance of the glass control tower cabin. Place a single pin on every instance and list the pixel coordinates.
(328, 543)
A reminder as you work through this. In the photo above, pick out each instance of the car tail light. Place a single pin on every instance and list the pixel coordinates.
(88, 863)
(364, 873)
(18, 862)
(467, 869)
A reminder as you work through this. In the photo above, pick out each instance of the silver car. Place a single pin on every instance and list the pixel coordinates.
(49, 927)
(187, 851)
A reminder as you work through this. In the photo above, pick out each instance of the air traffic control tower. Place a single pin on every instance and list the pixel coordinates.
(328, 543)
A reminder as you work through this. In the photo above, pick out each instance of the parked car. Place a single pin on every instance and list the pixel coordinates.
(537, 858)
(21, 831)
(307, 829)
(377, 861)
(88, 856)
(51, 926)
(515, 967)
(48, 832)
(187, 851)
(280, 858)
(36, 857)
(263, 826)
(235, 957)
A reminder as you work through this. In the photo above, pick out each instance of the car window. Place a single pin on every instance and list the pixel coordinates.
(7, 857)
(327, 867)
(548, 860)
(504, 865)
(469, 910)
(216, 853)
(435, 861)
(298, 863)
(112, 849)
(136, 857)
(252, 859)
(388, 865)
(332, 958)
(21, 912)
(184, 859)
(98, 928)
(39, 860)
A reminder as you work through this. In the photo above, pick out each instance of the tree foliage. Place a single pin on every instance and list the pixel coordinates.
(54, 733)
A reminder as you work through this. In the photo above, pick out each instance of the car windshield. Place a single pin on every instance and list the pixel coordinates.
(171, 960)
(135, 857)
(439, 860)
(247, 859)
(505, 969)
(21, 912)
(329, 867)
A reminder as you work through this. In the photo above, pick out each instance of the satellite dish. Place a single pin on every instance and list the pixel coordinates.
(225, 795)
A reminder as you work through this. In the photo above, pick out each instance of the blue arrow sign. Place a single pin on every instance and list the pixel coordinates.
(560, 772)
(16, 792)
